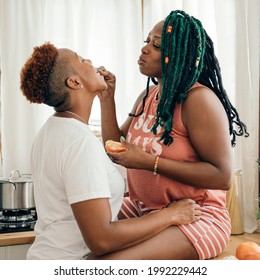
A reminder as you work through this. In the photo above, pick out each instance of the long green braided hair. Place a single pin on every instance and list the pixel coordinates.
(187, 57)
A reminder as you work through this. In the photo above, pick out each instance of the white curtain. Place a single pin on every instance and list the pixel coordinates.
(247, 101)
(107, 32)
(111, 33)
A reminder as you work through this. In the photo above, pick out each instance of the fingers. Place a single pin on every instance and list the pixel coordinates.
(185, 211)
(106, 74)
(190, 200)
(122, 139)
(198, 213)
(185, 201)
(114, 157)
(101, 69)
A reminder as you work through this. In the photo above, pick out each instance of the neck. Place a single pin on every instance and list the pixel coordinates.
(78, 117)
(80, 111)
(73, 115)
(159, 88)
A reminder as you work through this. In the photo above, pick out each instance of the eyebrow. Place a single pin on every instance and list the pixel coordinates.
(155, 36)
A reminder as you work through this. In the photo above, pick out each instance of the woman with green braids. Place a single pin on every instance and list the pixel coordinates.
(179, 138)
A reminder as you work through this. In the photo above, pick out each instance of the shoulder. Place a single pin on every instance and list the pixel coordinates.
(200, 93)
(201, 102)
(152, 91)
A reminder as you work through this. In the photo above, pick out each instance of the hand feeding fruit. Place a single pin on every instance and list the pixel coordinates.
(114, 147)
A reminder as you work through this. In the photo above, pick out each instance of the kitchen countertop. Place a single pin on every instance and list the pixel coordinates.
(17, 238)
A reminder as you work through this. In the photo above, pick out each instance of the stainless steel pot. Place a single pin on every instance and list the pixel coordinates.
(16, 192)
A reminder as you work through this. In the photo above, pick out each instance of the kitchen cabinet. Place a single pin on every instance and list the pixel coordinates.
(2, 253)
(14, 246)
(14, 252)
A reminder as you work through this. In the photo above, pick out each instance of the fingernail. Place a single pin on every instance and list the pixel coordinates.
(123, 138)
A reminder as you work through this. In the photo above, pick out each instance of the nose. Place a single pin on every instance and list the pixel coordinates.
(145, 49)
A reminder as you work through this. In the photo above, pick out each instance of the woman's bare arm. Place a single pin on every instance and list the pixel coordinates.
(208, 129)
(103, 236)
(109, 125)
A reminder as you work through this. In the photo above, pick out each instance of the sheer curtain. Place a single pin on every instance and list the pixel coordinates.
(247, 100)
(233, 26)
(107, 32)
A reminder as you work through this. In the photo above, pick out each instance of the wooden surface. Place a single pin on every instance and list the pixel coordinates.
(235, 240)
(17, 238)
(28, 237)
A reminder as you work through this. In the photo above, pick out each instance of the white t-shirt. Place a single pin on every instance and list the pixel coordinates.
(69, 164)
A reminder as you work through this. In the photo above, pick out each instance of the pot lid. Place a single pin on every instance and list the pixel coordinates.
(16, 177)
(23, 179)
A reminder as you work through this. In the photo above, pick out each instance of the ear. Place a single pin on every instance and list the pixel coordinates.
(73, 82)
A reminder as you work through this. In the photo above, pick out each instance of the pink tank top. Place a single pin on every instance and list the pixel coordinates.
(158, 191)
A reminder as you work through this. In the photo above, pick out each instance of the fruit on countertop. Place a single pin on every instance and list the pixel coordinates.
(252, 256)
(248, 250)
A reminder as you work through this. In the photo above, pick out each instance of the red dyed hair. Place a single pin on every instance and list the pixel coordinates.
(36, 72)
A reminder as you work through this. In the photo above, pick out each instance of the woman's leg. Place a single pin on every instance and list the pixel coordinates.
(171, 244)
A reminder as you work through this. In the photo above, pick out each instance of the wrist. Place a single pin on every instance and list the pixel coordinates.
(148, 161)
(151, 163)
(107, 100)
(166, 216)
